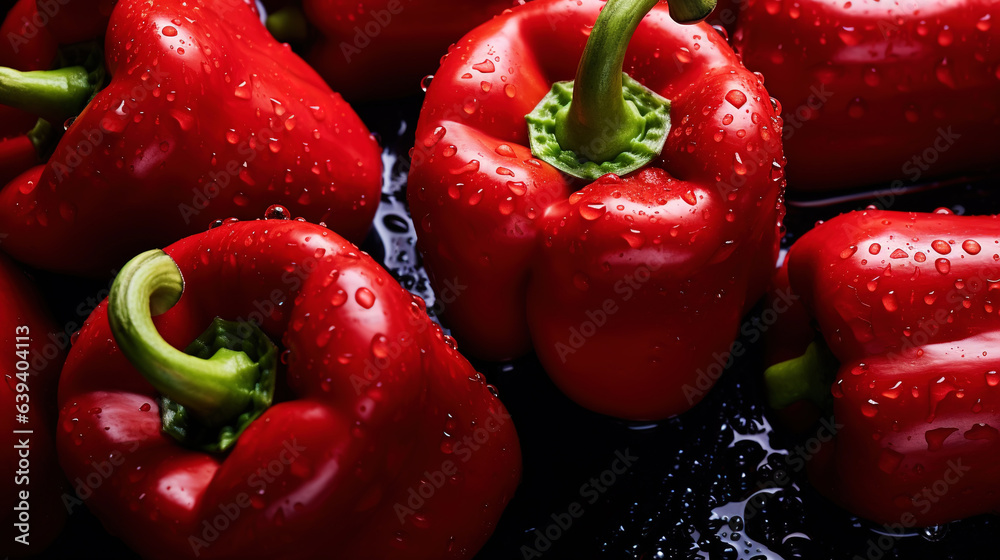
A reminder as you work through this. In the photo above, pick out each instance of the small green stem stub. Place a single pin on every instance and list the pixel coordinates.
(807, 377)
(653, 113)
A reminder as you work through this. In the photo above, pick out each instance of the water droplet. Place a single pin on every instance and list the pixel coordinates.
(505, 150)
(943, 266)
(634, 238)
(869, 408)
(992, 378)
(849, 36)
(485, 66)
(941, 246)
(425, 82)
(169, 31)
(984, 23)
(945, 37)
(242, 91)
(736, 98)
(971, 247)
(935, 438)
(380, 347)
(277, 212)
(592, 211)
(365, 298)
(476, 197)
(874, 248)
(893, 392)
(848, 252)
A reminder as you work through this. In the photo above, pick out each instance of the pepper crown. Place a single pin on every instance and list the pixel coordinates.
(605, 121)
(214, 389)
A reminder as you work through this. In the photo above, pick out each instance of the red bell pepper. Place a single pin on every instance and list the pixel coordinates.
(625, 287)
(907, 308)
(206, 117)
(382, 440)
(33, 512)
(878, 93)
(382, 48)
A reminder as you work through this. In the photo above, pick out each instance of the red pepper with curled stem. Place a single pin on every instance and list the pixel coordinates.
(373, 406)
(906, 356)
(33, 510)
(894, 93)
(625, 287)
(205, 117)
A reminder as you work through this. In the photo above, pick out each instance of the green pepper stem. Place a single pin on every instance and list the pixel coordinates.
(690, 11)
(288, 24)
(40, 136)
(55, 95)
(807, 377)
(216, 389)
(600, 123)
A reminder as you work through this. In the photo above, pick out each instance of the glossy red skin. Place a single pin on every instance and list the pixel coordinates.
(888, 89)
(23, 307)
(900, 321)
(481, 238)
(368, 439)
(154, 149)
(26, 46)
(405, 49)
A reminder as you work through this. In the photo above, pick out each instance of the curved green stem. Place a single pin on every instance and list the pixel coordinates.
(807, 377)
(222, 386)
(599, 109)
(54, 95)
